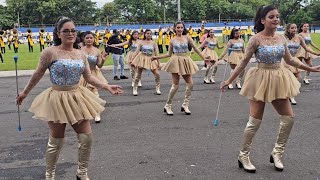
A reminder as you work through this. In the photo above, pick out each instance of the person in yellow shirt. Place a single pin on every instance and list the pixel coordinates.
(49, 40)
(201, 33)
(15, 40)
(160, 41)
(41, 39)
(2, 45)
(106, 36)
(228, 33)
(30, 40)
(127, 38)
(167, 37)
(9, 39)
(224, 34)
(190, 32)
(243, 34)
(96, 40)
(249, 32)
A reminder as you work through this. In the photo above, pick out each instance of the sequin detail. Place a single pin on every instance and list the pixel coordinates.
(133, 47)
(212, 45)
(66, 72)
(307, 40)
(293, 48)
(179, 47)
(237, 46)
(92, 60)
(270, 54)
(147, 49)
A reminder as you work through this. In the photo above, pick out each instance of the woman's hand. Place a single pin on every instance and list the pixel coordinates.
(115, 89)
(224, 85)
(20, 97)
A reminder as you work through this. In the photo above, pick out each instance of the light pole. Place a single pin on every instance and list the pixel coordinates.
(179, 11)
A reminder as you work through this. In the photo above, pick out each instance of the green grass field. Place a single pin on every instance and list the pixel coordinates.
(29, 61)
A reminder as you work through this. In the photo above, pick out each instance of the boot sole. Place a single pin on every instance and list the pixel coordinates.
(164, 110)
(182, 110)
(276, 168)
(247, 170)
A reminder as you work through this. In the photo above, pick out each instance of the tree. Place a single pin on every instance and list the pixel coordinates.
(109, 12)
(6, 20)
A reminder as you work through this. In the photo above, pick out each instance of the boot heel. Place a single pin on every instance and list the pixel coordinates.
(78, 178)
(164, 110)
(240, 164)
(182, 109)
(271, 159)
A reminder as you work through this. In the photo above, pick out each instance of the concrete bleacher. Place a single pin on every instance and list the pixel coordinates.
(217, 26)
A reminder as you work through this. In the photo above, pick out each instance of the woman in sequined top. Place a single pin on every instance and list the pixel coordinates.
(210, 43)
(268, 82)
(66, 102)
(142, 60)
(294, 43)
(133, 45)
(302, 54)
(96, 61)
(236, 46)
(180, 64)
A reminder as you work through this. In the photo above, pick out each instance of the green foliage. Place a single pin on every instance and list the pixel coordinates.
(6, 20)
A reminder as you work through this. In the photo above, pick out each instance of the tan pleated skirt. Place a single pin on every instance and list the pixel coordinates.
(181, 64)
(268, 82)
(145, 62)
(207, 52)
(66, 104)
(235, 57)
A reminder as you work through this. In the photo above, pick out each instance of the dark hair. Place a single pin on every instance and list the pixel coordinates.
(131, 37)
(57, 27)
(41, 30)
(287, 31)
(233, 31)
(83, 36)
(184, 32)
(261, 14)
(144, 37)
(29, 31)
(115, 31)
(208, 35)
(301, 26)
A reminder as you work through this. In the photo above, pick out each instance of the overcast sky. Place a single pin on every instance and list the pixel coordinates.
(100, 3)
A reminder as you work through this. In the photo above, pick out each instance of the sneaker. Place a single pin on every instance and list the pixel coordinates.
(116, 78)
(123, 77)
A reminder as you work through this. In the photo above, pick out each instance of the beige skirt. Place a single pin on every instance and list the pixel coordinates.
(128, 58)
(70, 104)
(235, 57)
(302, 53)
(207, 52)
(181, 64)
(269, 82)
(145, 62)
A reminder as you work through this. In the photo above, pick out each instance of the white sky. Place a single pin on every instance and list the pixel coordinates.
(100, 3)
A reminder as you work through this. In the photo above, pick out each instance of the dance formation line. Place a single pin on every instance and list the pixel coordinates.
(74, 99)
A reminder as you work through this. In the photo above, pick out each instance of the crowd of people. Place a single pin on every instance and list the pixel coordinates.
(74, 63)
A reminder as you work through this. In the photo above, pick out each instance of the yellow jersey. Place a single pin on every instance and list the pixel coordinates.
(167, 39)
(249, 31)
(41, 38)
(30, 40)
(2, 41)
(160, 38)
(190, 32)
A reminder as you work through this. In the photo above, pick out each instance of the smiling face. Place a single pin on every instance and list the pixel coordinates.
(67, 33)
(305, 27)
(179, 28)
(135, 35)
(271, 21)
(89, 39)
(211, 33)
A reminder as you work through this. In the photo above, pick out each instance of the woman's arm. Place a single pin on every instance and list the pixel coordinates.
(225, 51)
(190, 41)
(101, 58)
(308, 49)
(203, 44)
(120, 44)
(169, 54)
(218, 45)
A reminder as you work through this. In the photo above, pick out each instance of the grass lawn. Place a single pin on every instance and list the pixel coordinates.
(29, 61)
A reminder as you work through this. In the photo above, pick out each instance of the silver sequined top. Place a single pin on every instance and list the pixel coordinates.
(307, 40)
(270, 54)
(147, 49)
(179, 47)
(237, 46)
(293, 47)
(66, 72)
(133, 47)
(92, 60)
(211, 45)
